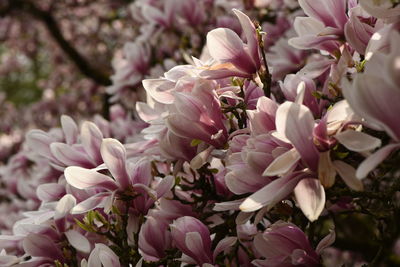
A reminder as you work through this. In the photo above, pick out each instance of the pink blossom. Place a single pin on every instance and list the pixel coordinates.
(284, 244)
(232, 56)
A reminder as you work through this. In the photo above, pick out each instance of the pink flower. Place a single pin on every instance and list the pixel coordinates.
(154, 239)
(323, 27)
(284, 244)
(102, 255)
(232, 56)
(359, 29)
(127, 178)
(198, 115)
(384, 9)
(380, 110)
(192, 237)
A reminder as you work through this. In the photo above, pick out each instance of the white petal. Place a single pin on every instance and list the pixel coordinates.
(357, 141)
(283, 163)
(82, 178)
(374, 160)
(271, 193)
(348, 174)
(310, 196)
(78, 241)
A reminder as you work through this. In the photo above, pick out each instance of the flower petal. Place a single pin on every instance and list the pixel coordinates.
(310, 196)
(296, 123)
(78, 241)
(70, 129)
(283, 163)
(82, 178)
(91, 138)
(358, 141)
(374, 160)
(348, 174)
(114, 156)
(272, 193)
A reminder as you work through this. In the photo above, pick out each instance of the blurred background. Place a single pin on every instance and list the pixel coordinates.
(56, 58)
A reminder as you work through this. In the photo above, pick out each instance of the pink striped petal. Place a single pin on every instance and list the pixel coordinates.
(70, 129)
(41, 246)
(114, 156)
(296, 123)
(91, 138)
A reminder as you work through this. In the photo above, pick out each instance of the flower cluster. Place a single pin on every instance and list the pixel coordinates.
(276, 144)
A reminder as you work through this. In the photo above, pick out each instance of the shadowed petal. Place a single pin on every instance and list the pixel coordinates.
(310, 196)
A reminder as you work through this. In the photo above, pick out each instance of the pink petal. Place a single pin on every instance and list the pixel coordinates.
(70, 129)
(102, 255)
(41, 246)
(50, 192)
(228, 205)
(160, 90)
(82, 178)
(91, 138)
(296, 122)
(165, 186)
(39, 141)
(224, 44)
(64, 205)
(251, 36)
(225, 243)
(69, 156)
(326, 242)
(78, 241)
(114, 156)
(310, 196)
(194, 243)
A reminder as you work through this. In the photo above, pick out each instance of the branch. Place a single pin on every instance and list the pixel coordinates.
(51, 24)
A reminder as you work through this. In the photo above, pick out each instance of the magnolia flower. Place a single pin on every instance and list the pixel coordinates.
(128, 179)
(323, 27)
(360, 28)
(198, 115)
(154, 239)
(130, 70)
(383, 9)
(192, 237)
(232, 56)
(379, 108)
(102, 255)
(284, 244)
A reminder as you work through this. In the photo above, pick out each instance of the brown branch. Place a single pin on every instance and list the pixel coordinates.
(51, 24)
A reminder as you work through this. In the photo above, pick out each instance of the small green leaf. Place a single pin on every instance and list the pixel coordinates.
(195, 142)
